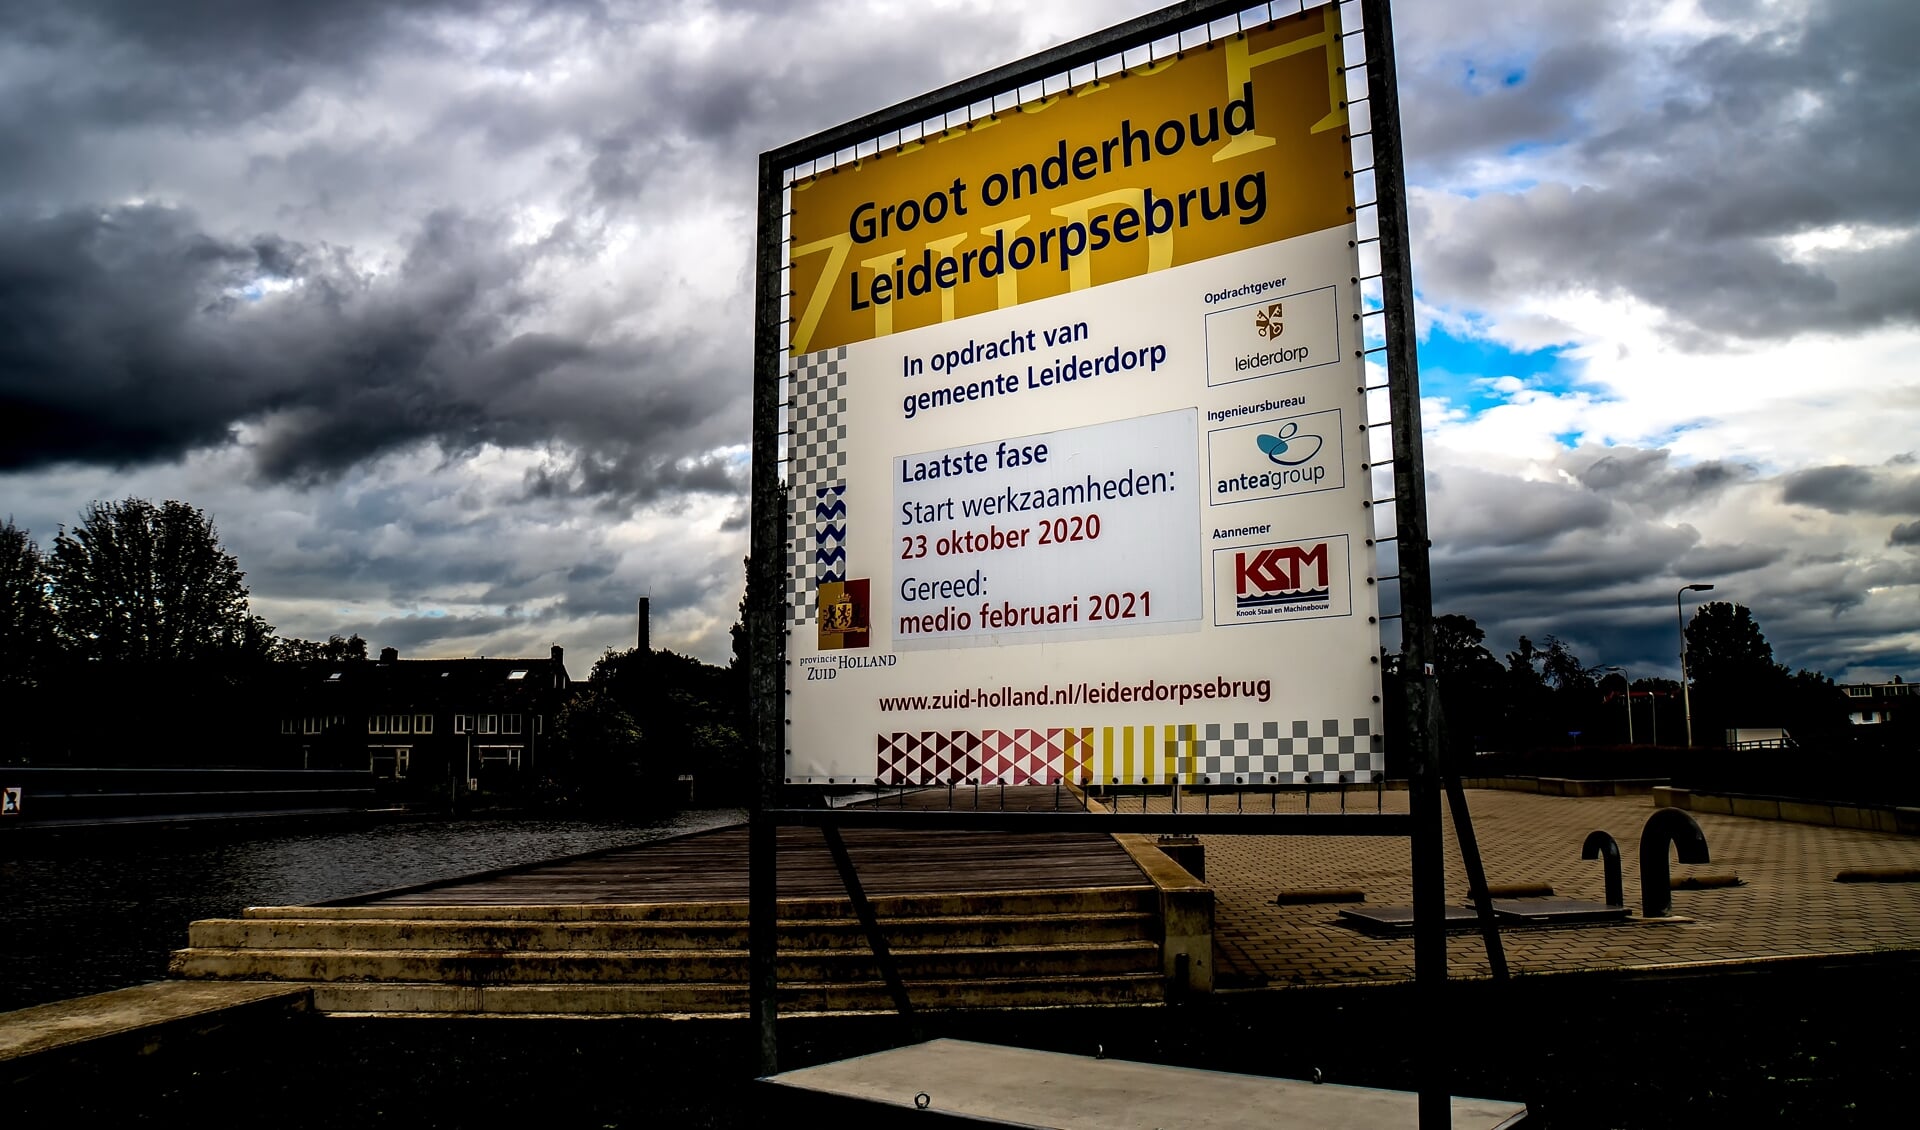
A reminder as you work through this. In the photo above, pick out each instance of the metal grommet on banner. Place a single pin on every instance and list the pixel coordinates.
(922, 1101)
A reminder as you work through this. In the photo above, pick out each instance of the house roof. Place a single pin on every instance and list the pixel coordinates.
(424, 683)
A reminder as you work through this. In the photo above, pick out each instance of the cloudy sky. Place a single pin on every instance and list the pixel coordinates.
(442, 308)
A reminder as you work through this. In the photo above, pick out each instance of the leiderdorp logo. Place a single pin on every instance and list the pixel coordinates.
(1266, 321)
(1284, 576)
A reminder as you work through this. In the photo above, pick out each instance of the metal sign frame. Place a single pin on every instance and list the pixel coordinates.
(1372, 72)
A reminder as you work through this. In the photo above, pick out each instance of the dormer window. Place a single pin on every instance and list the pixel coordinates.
(517, 673)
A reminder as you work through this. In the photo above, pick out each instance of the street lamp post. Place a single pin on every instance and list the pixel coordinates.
(1625, 679)
(1686, 698)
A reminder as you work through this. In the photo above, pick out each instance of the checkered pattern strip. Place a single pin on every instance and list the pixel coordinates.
(1268, 753)
(816, 465)
(1241, 753)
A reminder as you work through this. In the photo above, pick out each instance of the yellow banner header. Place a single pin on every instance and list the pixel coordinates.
(1228, 146)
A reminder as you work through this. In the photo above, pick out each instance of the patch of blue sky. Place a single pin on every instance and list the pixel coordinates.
(1462, 369)
(257, 289)
(1476, 79)
(1515, 187)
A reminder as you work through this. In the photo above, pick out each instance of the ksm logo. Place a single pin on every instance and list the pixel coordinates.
(1280, 575)
(1303, 579)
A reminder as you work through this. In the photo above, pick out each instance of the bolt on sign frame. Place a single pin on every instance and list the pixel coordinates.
(1086, 353)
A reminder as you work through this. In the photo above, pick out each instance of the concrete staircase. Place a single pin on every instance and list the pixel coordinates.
(1004, 950)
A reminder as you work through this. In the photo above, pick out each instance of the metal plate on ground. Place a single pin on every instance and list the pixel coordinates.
(971, 1084)
(1399, 919)
(1556, 911)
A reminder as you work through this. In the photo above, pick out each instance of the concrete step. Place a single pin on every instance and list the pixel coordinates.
(728, 1000)
(1097, 900)
(508, 967)
(1007, 949)
(429, 933)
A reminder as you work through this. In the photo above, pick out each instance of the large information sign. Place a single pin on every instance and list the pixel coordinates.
(1077, 439)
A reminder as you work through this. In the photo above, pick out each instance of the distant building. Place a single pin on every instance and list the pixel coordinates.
(1869, 704)
(429, 722)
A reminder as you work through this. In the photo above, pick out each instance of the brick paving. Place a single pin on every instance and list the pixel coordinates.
(1788, 905)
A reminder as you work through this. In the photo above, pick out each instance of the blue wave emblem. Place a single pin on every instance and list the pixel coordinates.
(1288, 448)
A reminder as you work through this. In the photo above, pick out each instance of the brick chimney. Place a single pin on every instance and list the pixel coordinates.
(389, 655)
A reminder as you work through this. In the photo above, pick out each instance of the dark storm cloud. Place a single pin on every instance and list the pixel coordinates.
(405, 632)
(138, 333)
(104, 67)
(1906, 533)
(1648, 476)
(1846, 489)
(1605, 578)
(1685, 207)
(1454, 109)
(131, 335)
(626, 473)
(1726, 560)
(247, 35)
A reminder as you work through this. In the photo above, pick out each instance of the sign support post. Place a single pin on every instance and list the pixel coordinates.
(766, 617)
(1416, 583)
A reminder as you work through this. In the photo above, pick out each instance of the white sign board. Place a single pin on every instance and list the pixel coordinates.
(1077, 432)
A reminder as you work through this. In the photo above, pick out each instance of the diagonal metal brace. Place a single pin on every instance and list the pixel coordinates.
(870, 921)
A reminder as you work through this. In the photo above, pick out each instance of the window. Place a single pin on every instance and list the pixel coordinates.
(390, 760)
(335, 677)
(312, 725)
(508, 755)
(517, 673)
(509, 723)
(489, 723)
(423, 723)
(289, 725)
(462, 723)
(539, 723)
(1859, 692)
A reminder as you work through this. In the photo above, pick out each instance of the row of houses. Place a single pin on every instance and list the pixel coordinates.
(429, 722)
(1870, 704)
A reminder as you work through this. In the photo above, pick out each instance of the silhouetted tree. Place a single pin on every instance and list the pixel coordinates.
(139, 583)
(1737, 682)
(690, 711)
(337, 649)
(1529, 697)
(597, 757)
(26, 613)
(1472, 685)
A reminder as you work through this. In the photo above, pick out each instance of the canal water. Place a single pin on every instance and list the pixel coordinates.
(86, 912)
